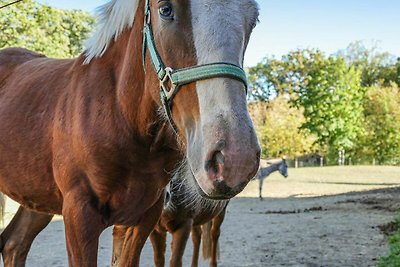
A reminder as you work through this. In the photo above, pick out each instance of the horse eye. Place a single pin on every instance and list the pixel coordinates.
(166, 11)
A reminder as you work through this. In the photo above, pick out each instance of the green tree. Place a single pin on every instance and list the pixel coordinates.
(285, 76)
(332, 102)
(376, 67)
(278, 129)
(326, 88)
(382, 125)
(53, 32)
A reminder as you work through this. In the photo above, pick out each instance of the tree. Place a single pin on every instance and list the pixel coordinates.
(376, 67)
(382, 128)
(325, 88)
(53, 32)
(287, 76)
(332, 102)
(278, 129)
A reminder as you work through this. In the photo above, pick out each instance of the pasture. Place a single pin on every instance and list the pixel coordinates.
(331, 216)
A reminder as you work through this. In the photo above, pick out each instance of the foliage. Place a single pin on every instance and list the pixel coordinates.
(382, 125)
(277, 125)
(376, 67)
(349, 100)
(393, 259)
(286, 76)
(332, 104)
(54, 32)
(327, 90)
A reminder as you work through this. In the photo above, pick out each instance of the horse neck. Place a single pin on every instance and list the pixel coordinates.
(272, 168)
(123, 63)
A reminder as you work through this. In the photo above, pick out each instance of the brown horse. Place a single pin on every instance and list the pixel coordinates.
(186, 212)
(91, 139)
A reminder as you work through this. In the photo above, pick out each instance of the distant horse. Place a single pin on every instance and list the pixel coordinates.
(275, 165)
(95, 138)
(185, 212)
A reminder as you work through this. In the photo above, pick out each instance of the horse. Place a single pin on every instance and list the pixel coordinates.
(185, 212)
(96, 138)
(274, 165)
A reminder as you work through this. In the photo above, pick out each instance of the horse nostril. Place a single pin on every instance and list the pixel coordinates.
(215, 164)
(219, 158)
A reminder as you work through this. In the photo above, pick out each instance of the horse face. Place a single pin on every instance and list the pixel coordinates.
(211, 115)
(283, 169)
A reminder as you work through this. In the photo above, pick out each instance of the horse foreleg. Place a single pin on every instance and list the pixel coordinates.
(136, 236)
(196, 239)
(158, 241)
(119, 232)
(215, 233)
(261, 180)
(17, 237)
(179, 240)
(83, 226)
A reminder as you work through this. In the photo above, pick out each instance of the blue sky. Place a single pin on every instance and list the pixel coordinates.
(329, 25)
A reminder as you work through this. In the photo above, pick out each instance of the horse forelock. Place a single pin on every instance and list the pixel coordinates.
(116, 15)
(112, 18)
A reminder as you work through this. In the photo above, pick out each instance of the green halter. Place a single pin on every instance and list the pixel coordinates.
(171, 80)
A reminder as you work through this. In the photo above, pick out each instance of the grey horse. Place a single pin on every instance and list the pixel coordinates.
(274, 165)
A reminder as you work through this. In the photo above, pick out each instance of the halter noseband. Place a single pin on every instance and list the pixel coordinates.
(171, 80)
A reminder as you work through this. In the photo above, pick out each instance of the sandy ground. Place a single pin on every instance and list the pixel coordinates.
(313, 218)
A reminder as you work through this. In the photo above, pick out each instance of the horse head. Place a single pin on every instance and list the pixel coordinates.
(283, 168)
(192, 50)
(208, 113)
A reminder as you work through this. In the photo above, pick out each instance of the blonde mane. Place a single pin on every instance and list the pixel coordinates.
(113, 18)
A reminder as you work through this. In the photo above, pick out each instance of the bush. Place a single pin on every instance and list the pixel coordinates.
(393, 259)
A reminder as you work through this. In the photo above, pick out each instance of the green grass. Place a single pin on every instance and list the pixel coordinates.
(393, 259)
(389, 174)
(324, 181)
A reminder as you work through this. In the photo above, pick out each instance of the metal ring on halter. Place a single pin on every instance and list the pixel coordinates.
(167, 83)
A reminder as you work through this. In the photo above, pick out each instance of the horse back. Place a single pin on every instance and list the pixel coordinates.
(10, 58)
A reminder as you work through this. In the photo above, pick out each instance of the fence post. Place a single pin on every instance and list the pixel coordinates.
(321, 161)
(296, 163)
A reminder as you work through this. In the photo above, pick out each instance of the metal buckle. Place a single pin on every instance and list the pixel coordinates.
(169, 91)
(147, 17)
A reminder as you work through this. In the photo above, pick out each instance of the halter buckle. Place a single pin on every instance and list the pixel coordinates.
(167, 85)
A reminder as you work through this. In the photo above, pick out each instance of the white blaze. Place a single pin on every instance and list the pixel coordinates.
(221, 29)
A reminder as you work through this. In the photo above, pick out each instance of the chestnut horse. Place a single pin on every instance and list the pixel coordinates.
(90, 138)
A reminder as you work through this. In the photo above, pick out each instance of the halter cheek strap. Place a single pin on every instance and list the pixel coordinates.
(171, 80)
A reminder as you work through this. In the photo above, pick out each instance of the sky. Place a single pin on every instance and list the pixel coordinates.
(329, 25)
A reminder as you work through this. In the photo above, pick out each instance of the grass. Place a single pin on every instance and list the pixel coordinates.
(393, 259)
(362, 174)
(317, 181)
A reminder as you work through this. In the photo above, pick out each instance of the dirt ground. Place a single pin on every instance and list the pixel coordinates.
(316, 217)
